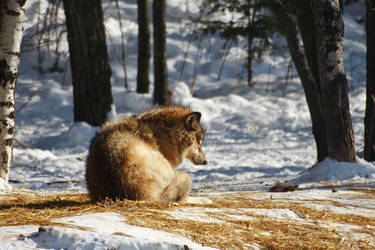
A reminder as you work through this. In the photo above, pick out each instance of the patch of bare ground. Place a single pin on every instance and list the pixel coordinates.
(237, 220)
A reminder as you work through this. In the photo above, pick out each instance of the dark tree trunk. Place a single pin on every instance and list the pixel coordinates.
(329, 30)
(161, 95)
(370, 82)
(143, 80)
(322, 74)
(308, 80)
(305, 22)
(91, 72)
(250, 37)
(250, 58)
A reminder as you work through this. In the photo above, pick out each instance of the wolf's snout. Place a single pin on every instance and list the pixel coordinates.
(199, 160)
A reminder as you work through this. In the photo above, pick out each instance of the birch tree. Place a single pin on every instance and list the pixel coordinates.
(11, 29)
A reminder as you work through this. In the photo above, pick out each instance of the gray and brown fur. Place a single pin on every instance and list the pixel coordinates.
(135, 158)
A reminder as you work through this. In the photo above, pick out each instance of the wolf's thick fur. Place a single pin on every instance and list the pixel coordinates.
(135, 157)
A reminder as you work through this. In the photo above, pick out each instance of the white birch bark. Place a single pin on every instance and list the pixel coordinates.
(11, 29)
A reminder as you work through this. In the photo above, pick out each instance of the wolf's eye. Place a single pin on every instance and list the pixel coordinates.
(199, 136)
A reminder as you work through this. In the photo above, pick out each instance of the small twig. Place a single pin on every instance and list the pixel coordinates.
(290, 65)
(29, 99)
(227, 46)
(62, 182)
(197, 62)
(23, 144)
(24, 166)
(123, 53)
(14, 181)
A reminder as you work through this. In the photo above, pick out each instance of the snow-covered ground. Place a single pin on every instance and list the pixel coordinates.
(256, 136)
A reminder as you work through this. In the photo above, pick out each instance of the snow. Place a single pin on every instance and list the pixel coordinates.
(256, 136)
(4, 186)
(331, 170)
(102, 231)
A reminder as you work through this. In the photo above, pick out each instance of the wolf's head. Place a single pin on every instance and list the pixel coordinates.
(194, 139)
(176, 131)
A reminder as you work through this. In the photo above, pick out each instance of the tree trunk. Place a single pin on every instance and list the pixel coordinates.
(161, 95)
(123, 50)
(143, 80)
(370, 82)
(250, 55)
(308, 80)
(91, 72)
(329, 30)
(11, 29)
(250, 36)
(305, 22)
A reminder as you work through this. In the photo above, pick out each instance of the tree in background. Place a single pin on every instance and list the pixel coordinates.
(248, 20)
(326, 92)
(161, 93)
(309, 78)
(123, 50)
(89, 62)
(304, 14)
(144, 54)
(11, 30)
(369, 149)
(329, 32)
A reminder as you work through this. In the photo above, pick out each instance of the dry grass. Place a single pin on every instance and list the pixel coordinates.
(310, 232)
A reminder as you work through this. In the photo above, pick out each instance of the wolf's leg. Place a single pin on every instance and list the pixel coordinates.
(178, 189)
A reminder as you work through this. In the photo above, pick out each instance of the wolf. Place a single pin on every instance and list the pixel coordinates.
(135, 158)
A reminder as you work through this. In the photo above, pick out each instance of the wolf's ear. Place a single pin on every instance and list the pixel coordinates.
(192, 121)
